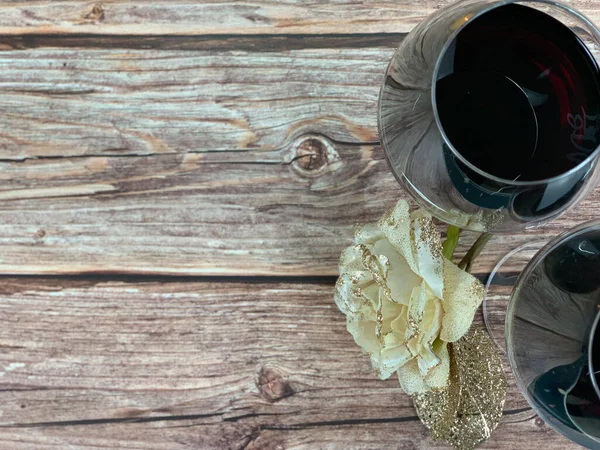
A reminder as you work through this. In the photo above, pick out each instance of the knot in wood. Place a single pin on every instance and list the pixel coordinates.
(96, 14)
(272, 385)
(311, 153)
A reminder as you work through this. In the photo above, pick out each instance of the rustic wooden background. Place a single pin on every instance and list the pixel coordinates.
(178, 179)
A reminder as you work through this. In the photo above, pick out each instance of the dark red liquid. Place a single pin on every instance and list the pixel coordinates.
(518, 95)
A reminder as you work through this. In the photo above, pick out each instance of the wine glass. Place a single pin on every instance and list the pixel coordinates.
(553, 333)
(489, 113)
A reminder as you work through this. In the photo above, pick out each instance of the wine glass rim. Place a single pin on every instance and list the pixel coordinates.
(592, 156)
(590, 360)
(524, 275)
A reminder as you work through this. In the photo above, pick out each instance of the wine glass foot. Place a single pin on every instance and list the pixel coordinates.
(499, 286)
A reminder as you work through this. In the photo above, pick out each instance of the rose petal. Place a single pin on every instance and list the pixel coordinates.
(367, 233)
(410, 378)
(370, 294)
(416, 309)
(437, 378)
(343, 297)
(389, 312)
(432, 322)
(363, 332)
(428, 252)
(351, 299)
(390, 360)
(351, 260)
(384, 264)
(391, 340)
(377, 266)
(395, 225)
(360, 278)
(400, 279)
(463, 294)
(413, 346)
(429, 330)
(395, 357)
(399, 324)
(427, 361)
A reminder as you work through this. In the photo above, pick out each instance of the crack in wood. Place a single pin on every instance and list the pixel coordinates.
(106, 153)
(105, 421)
(52, 92)
(226, 42)
(300, 426)
(366, 421)
(136, 278)
(355, 144)
(140, 278)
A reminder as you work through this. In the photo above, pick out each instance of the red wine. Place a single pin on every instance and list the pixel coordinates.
(518, 96)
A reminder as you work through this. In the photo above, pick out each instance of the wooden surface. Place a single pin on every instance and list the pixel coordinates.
(167, 248)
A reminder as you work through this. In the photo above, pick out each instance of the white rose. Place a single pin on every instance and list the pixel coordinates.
(404, 302)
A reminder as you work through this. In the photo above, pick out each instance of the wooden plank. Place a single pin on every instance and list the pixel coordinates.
(213, 17)
(524, 432)
(157, 17)
(186, 214)
(93, 363)
(67, 102)
(172, 107)
(226, 43)
(219, 214)
(186, 162)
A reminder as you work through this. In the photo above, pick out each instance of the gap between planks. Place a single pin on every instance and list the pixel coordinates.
(232, 42)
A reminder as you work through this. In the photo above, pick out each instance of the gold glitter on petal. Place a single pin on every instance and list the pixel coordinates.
(430, 236)
(466, 413)
(372, 264)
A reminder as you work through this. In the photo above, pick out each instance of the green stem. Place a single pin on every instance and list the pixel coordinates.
(467, 262)
(451, 241)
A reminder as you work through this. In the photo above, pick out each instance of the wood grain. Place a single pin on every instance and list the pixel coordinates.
(157, 17)
(187, 162)
(219, 214)
(217, 141)
(213, 17)
(67, 102)
(94, 363)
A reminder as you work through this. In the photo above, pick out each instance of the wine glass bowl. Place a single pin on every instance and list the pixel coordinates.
(485, 123)
(553, 337)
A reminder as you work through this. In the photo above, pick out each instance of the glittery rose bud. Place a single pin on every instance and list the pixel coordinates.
(404, 302)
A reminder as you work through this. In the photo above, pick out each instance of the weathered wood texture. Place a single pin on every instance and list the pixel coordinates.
(186, 162)
(224, 16)
(200, 138)
(174, 365)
